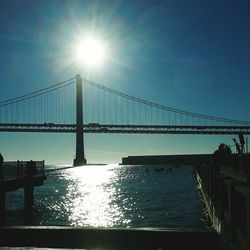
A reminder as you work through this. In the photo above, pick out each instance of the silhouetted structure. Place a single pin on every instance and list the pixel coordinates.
(188, 159)
(21, 174)
(1, 166)
(227, 198)
(221, 157)
(80, 158)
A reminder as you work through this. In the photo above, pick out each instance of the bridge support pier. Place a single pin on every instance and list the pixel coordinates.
(80, 158)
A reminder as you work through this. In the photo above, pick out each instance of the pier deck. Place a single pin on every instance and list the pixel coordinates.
(20, 174)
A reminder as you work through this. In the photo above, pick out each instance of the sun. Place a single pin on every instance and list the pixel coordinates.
(90, 51)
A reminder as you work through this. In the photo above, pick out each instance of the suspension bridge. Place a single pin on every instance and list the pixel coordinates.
(81, 106)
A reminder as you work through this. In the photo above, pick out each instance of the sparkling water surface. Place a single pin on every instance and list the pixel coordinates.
(113, 196)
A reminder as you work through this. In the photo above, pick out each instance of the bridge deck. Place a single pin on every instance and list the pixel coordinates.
(125, 129)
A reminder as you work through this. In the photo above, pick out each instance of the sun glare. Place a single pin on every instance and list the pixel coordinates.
(90, 51)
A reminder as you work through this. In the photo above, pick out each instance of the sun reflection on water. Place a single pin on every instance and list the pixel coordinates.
(92, 192)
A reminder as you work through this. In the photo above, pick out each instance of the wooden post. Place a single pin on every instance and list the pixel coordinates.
(43, 169)
(29, 196)
(2, 202)
(18, 169)
(1, 171)
(248, 219)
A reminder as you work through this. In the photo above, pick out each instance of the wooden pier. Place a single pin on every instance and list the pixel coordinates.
(227, 198)
(20, 174)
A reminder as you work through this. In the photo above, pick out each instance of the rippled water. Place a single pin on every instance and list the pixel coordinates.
(113, 196)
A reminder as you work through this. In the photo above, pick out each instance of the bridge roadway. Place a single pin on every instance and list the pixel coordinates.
(125, 129)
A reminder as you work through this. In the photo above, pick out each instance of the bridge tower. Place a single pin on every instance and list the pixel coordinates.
(80, 158)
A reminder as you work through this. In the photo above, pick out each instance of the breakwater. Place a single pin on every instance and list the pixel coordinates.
(185, 159)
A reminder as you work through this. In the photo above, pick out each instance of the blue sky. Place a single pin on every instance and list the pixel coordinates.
(193, 55)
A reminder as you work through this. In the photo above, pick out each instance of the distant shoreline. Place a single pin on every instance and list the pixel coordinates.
(68, 167)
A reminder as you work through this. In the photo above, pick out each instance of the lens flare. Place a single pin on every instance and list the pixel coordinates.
(90, 51)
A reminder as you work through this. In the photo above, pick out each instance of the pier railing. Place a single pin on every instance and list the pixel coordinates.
(20, 169)
(227, 197)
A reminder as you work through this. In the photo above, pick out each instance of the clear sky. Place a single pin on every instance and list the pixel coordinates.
(193, 55)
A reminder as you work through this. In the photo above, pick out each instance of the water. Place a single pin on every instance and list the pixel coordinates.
(113, 196)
